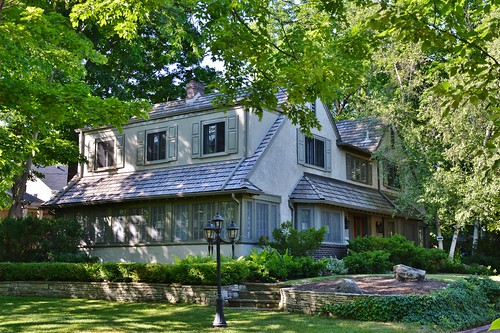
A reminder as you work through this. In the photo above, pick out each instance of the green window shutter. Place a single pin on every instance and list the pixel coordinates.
(232, 135)
(348, 166)
(172, 143)
(195, 141)
(91, 155)
(301, 153)
(328, 155)
(120, 151)
(140, 148)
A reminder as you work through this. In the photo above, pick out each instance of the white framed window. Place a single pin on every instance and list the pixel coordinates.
(214, 137)
(305, 218)
(314, 151)
(106, 153)
(157, 145)
(358, 169)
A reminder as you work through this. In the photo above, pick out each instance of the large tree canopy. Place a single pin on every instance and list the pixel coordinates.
(56, 75)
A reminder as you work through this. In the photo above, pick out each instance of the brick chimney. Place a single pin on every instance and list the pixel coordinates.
(193, 88)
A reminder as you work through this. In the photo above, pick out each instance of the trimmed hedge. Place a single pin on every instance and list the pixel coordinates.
(461, 305)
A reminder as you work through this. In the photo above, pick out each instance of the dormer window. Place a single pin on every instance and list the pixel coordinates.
(358, 169)
(106, 153)
(214, 138)
(156, 146)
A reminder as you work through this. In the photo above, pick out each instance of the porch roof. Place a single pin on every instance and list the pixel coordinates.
(313, 189)
(152, 184)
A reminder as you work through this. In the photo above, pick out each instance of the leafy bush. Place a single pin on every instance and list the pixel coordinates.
(378, 255)
(334, 266)
(461, 305)
(296, 243)
(274, 266)
(29, 239)
(369, 262)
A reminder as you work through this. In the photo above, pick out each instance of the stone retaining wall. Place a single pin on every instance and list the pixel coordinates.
(119, 291)
(310, 302)
(307, 302)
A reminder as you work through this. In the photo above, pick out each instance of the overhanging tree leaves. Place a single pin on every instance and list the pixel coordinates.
(42, 90)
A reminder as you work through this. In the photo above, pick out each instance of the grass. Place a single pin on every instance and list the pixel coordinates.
(28, 314)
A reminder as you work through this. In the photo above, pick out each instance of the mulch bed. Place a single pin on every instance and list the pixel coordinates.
(376, 285)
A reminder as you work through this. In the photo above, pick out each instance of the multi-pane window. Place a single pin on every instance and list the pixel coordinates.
(358, 169)
(119, 225)
(391, 178)
(156, 229)
(332, 221)
(305, 218)
(214, 138)
(156, 144)
(315, 152)
(105, 151)
(181, 222)
(261, 219)
(137, 223)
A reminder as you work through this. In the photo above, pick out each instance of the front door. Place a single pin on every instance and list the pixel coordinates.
(360, 226)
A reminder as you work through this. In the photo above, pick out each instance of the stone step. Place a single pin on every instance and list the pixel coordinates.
(265, 286)
(260, 295)
(253, 304)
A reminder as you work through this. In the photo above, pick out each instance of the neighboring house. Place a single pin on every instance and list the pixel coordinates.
(147, 192)
(46, 182)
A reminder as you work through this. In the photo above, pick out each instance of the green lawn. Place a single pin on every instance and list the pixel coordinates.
(28, 314)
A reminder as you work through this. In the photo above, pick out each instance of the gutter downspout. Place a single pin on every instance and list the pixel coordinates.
(240, 214)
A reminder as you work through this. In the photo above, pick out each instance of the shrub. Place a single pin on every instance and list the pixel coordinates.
(461, 305)
(274, 266)
(29, 239)
(368, 262)
(296, 243)
(334, 266)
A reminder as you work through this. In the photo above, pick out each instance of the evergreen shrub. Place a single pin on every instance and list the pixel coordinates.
(296, 243)
(30, 239)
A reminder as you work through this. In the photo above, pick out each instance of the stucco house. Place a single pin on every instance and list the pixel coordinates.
(146, 192)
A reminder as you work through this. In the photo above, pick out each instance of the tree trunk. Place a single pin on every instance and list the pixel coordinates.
(475, 238)
(19, 190)
(453, 242)
(438, 231)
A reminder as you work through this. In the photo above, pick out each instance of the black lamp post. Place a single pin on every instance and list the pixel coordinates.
(212, 234)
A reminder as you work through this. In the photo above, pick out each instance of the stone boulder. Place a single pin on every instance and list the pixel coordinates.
(348, 286)
(407, 273)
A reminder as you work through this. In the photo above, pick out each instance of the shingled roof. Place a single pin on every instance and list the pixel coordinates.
(313, 188)
(215, 177)
(362, 133)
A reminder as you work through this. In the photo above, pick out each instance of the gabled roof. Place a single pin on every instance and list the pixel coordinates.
(208, 178)
(314, 189)
(363, 133)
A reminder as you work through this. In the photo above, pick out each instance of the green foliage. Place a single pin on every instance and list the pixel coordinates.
(31, 239)
(334, 266)
(297, 243)
(461, 305)
(274, 266)
(379, 254)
